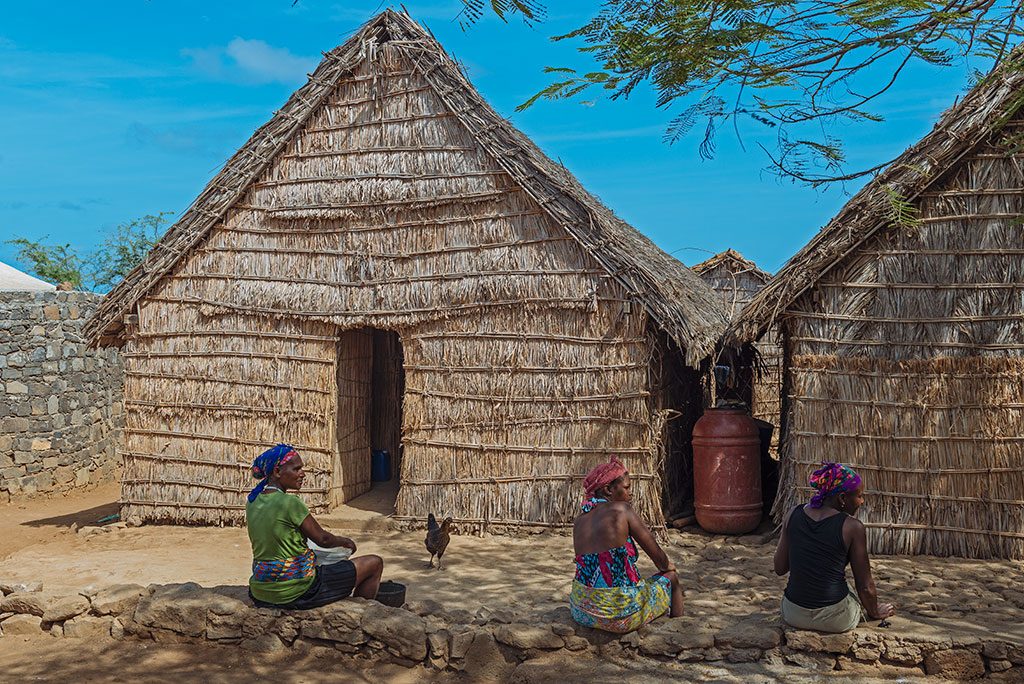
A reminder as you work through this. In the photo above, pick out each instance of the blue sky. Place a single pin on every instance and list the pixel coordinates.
(114, 110)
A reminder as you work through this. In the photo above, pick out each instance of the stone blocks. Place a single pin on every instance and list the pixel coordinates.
(50, 381)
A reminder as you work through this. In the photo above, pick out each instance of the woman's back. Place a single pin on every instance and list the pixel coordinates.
(818, 557)
(606, 526)
(605, 553)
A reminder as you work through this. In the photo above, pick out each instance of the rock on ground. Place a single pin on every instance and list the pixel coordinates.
(25, 603)
(88, 627)
(117, 599)
(65, 608)
(955, 663)
(399, 629)
(18, 625)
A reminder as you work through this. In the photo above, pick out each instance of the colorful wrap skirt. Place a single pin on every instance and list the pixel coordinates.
(620, 609)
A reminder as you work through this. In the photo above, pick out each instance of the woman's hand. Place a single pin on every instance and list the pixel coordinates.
(311, 529)
(884, 610)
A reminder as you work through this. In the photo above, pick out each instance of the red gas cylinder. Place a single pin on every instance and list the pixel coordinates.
(727, 471)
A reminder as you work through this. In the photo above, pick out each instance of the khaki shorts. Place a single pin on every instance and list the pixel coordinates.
(839, 617)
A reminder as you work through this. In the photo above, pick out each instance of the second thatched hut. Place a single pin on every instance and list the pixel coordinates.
(736, 280)
(902, 324)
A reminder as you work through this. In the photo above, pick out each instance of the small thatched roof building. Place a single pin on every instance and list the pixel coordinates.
(389, 264)
(903, 329)
(737, 280)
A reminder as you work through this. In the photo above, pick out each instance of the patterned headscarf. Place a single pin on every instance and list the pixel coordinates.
(264, 465)
(831, 479)
(602, 476)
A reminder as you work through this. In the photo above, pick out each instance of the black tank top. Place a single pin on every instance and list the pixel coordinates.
(817, 560)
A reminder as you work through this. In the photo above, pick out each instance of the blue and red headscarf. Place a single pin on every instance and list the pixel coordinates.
(831, 479)
(263, 466)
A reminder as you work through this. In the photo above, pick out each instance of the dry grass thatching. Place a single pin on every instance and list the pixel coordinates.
(669, 291)
(737, 280)
(387, 234)
(962, 128)
(903, 339)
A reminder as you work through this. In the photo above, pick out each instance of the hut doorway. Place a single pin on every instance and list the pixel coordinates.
(370, 387)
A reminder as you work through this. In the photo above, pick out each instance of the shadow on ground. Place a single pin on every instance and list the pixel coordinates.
(87, 516)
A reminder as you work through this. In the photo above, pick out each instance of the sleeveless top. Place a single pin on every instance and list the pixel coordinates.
(817, 560)
(612, 568)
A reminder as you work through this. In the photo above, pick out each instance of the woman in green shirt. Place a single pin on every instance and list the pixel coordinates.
(284, 570)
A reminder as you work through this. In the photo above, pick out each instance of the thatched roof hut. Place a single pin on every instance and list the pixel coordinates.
(903, 338)
(737, 280)
(389, 263)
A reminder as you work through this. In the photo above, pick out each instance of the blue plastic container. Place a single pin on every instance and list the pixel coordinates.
(380, 465)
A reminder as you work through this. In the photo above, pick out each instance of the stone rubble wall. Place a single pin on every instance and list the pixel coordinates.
(62, 414)
(488, 644)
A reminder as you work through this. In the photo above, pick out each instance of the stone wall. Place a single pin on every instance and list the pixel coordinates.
(61, 418)
(486, 645)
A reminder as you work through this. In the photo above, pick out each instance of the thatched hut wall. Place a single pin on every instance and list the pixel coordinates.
(525, 362)
(736, 281)
(905, 360)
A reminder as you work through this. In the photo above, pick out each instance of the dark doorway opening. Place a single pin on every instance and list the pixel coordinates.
(371, 385)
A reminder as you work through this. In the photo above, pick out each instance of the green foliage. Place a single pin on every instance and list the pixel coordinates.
(473, 10)
(902, 214)
(127, 248)
(53, 263)
(122, 251)
(801, 69)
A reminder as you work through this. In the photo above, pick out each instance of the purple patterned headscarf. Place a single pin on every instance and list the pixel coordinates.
(831, 479)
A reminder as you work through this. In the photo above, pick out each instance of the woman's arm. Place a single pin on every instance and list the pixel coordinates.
(643, 537)
(782, 550)
(855, 532)
(311, 529)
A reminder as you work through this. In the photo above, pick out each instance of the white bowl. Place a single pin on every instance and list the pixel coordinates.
(329, 556)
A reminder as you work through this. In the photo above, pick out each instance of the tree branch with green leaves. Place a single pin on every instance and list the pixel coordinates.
(799, 69)
(100, 269)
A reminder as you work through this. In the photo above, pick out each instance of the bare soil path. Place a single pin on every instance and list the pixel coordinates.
(41, 521)
(42, 658)
(726, 580)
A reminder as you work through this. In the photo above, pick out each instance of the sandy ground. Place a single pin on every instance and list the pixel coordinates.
(27, 659)
(39, 521)
(726, 580)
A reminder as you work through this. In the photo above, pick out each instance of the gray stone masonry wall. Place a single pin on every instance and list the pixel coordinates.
(488, 645)
(61, 418)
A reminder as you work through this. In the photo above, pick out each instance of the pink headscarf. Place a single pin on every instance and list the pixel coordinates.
(602, 476)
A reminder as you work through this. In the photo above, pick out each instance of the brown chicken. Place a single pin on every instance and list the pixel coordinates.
(437, 538)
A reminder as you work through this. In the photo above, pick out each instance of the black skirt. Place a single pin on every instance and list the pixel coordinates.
(332, 583)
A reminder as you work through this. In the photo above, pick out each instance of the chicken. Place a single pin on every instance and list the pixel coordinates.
(437, 538)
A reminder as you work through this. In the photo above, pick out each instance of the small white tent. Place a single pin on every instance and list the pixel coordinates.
(11, 279)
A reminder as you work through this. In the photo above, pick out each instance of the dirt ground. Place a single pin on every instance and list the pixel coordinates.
(27, 659)
(726, 580)
(40, 521)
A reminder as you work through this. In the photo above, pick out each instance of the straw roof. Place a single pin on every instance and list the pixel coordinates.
(676, 299)
(735, 262)
(967, 124)
(13, 280)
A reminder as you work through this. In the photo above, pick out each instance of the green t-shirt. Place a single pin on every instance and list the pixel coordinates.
(273, 521)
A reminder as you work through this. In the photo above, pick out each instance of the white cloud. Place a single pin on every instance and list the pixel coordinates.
(269, 63)
(251, 61)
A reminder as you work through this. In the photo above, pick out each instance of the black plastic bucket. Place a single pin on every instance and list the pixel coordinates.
(391, 594)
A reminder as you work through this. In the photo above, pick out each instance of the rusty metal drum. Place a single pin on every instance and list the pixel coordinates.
(727, 471)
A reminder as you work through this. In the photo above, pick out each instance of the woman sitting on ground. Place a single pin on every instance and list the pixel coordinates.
(608, 593)
(818, 540)
(284, 570)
